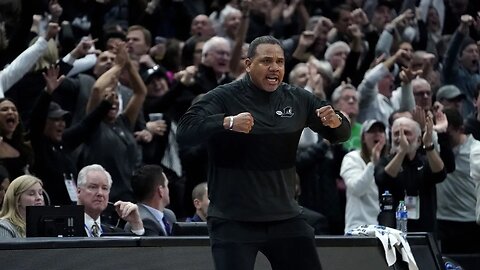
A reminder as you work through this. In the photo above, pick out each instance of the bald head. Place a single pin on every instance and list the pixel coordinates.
(422, 92)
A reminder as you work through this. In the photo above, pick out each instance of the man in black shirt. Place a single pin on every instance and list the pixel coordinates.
(411, 176)
(252, 127)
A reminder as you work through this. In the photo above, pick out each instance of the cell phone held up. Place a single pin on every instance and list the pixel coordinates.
(155, 116)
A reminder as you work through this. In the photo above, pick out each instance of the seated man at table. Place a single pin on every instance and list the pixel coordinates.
(150, 188)
(201, 202)
(410, 175)
(93, 190)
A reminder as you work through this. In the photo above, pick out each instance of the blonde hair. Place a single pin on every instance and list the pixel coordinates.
(49, 57)
(10, 210)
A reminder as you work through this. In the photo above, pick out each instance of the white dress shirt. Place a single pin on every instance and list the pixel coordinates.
(89, 221)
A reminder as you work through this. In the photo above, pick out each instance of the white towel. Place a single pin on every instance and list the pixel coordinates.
(171, 157)
(392, 240)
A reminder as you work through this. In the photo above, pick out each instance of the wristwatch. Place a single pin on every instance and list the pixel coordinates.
(339, 118)
(429, 148)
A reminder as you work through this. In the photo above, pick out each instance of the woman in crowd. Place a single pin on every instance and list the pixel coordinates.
(357, 170)
(15, 154)
(24, 191)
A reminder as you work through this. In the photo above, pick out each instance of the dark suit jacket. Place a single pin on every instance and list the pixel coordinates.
(151, 224)
(109, 230)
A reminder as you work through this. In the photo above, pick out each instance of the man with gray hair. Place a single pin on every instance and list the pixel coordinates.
(216, 55)
(422, 93)
(345, 97)
(299, 75)
(410, 176)
(212, 71)
(93, 190)
(336, 54)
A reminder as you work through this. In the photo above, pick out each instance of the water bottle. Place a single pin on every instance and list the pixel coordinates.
(387, 212)
(402, 218)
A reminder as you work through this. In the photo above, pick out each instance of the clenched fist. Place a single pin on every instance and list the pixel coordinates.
(329, 117)
(242, 122)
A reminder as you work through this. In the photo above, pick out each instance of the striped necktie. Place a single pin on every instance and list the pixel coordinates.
(95, 230)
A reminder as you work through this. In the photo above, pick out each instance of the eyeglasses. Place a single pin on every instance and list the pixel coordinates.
(222, 53)
(348, 98)
(423, 93)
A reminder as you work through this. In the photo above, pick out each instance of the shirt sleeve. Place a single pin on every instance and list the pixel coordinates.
(357, 177)
(138, 232)
(202, 120)
(21, 65)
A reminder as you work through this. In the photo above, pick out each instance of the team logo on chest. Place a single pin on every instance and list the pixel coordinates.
(286, 112)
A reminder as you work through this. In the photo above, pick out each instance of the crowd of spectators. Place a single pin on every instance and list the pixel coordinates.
(87, 82)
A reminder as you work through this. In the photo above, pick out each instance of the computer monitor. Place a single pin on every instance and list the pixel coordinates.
(189, 228)
(55, 221)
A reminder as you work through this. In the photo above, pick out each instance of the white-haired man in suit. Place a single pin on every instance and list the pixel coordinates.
(93, 190)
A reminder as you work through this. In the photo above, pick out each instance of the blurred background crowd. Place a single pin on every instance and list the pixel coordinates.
(106, 81)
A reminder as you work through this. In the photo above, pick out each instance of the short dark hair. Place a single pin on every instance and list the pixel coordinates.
(252, 49)
(392, 116)
(146, 33)
(335, 16)
(454, 118)
(115, 34)
(467, 41)
(145, 180)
